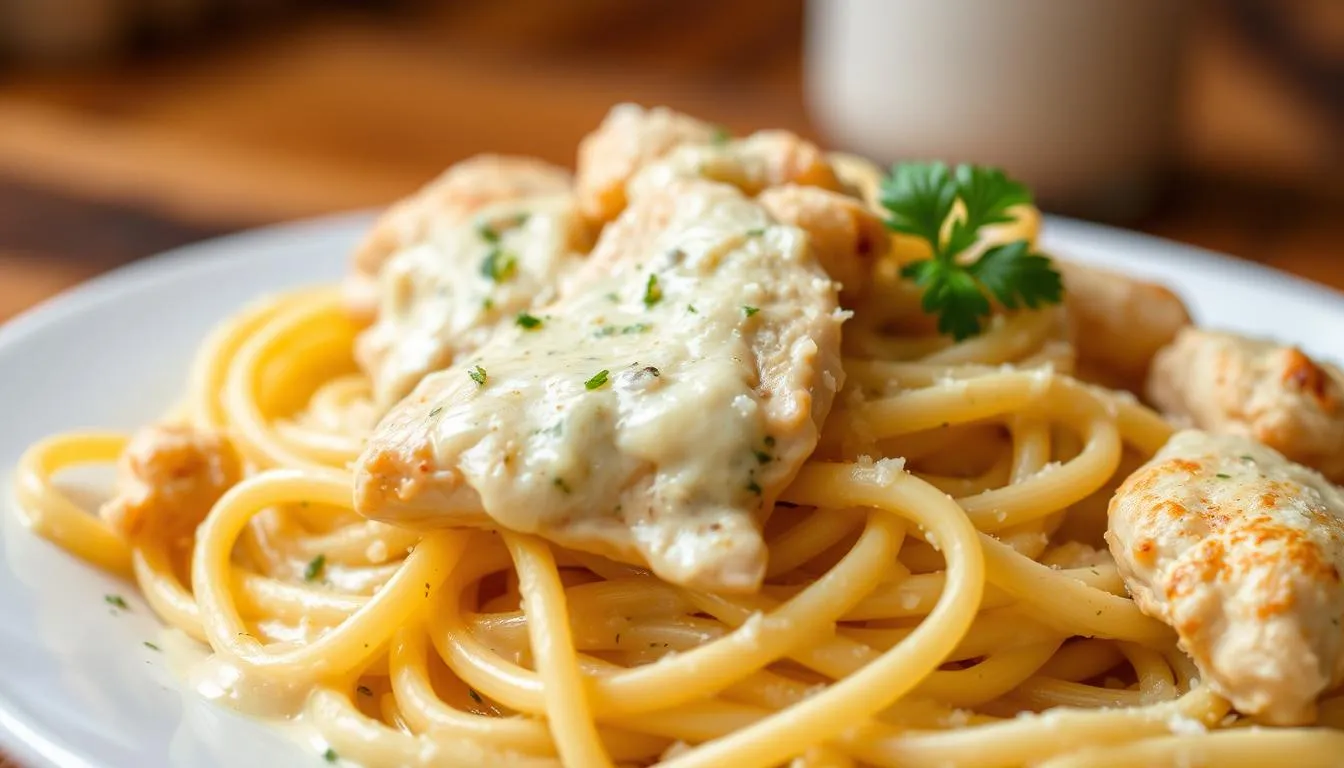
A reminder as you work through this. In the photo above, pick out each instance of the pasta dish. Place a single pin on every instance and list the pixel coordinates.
(726, 451)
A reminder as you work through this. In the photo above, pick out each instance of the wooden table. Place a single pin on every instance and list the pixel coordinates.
(347, 111)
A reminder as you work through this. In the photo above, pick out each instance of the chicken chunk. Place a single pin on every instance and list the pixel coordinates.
(629, 138)
(754, 164)
(846, 236)
(168, 478)
(475, 257)
(1118, 323)
(1225, 383)
(651, 148)
(1240, 551)
(451, 199)
(653, 415)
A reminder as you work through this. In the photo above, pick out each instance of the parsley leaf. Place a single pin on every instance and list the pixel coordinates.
(116, 601)
(330, 755)
(314, 568)
(920, 198)
(499, 265)
(749, 311)
(653, 293)
(1015, 275)
(598, 379)
(528, 322)
(478, 375)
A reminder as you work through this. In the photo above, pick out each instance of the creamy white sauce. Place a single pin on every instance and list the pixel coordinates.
(661, 406)
(444, 295)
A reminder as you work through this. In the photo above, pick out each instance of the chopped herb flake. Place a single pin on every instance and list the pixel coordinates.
(528, 322)
(487, 232)
(478, 375)
(621, 330)
(757, 232)
(314, 568)
(330, 755)
(499, 265)
(598, 379)
(152, 646)
(749, 311)
(1223, 475)
(653, 293)
(613, 297)
(364, 690)
(476, 697)
(560, 483)
(488, 304)
(432, 414)
(720, 136)
(691, 308)
(116, 601)
(1247, 457)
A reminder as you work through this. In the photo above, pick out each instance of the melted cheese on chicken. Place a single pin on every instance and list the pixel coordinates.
(444, 295)
(1274, 393)
(653, 415)
(452, 198)
(1240, 551)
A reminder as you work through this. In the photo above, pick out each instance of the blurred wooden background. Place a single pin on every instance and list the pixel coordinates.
(335, 106)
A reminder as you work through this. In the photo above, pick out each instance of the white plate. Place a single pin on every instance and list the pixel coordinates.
(77, 685)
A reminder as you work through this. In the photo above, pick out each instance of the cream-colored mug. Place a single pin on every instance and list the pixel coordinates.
(1075, 97)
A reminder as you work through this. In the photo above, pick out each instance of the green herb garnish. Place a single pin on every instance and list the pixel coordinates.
(756, 232)
(1223, 476)
(720, 136)
(499, 265)
(487, 232)
(478, 375)
(314, 568)
(116, 601)
(152, 646)
(598, 379)
(330, 755)
(621, 330)
(749, 311)
(920, 198)
(653, 293)
(528, 322)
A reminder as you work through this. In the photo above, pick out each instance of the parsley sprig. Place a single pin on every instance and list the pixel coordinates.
(920, 197)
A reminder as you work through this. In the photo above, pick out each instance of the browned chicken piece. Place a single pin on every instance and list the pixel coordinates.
(1118, 323)
(754, 164)
(1230, 384)
(629, 138)
(1239, 550)
(451, 199)
(846, 236)
(168, 478)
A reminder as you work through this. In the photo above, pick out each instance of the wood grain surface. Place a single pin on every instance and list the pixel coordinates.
(343, 109)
